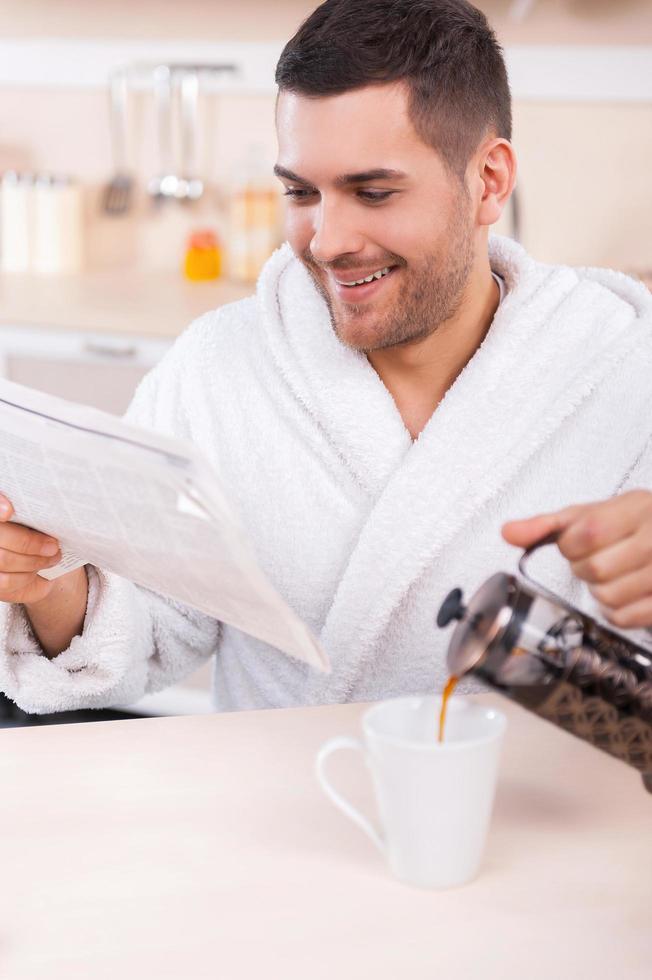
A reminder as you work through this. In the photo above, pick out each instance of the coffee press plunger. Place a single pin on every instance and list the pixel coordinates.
(532, 646)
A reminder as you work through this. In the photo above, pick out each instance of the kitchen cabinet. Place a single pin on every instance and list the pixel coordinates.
(96, 369)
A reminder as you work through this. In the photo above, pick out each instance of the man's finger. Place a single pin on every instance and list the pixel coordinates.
(12, 562)
(638, 615)
(6, 508)
(615, 561)
(624, 591)
(604, 524)
(25, 541)
(526, 532)
(30, 588)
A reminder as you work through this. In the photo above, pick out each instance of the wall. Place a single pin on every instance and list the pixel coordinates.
(584, 183)
(550, 22)
(584, 168)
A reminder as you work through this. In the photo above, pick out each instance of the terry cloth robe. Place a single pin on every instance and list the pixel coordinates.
(363, 531)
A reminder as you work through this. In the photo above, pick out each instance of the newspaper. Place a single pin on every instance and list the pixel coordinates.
(142, 505)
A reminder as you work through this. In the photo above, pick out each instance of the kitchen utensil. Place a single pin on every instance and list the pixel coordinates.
(190, 187)
(253, 216)
(58, 245)
(118, 192)
(176, 98)
(165, 185)
(535, 648)
(16, 221)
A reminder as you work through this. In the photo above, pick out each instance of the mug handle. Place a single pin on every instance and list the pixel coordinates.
(333, 745)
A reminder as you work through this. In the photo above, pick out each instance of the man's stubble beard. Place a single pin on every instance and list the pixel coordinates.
(429, 297)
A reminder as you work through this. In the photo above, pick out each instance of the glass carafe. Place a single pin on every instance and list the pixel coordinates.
(551, 658)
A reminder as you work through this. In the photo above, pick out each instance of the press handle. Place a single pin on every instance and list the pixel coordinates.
(551, 538)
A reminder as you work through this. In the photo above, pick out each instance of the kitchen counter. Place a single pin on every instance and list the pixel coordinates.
(129, 301)
(120, 301)
(203, 847)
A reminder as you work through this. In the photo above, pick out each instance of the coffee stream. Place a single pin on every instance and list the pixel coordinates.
(448, 690)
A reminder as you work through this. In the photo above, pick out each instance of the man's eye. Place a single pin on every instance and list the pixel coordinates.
(298, 194)
(302, 194)
(375, 195)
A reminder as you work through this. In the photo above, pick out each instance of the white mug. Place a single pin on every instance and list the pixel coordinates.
(434, 798)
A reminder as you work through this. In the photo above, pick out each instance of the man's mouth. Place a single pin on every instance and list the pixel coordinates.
(378, 274)
(361, 284)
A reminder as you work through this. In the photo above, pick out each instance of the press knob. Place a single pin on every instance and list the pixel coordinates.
(451, 608)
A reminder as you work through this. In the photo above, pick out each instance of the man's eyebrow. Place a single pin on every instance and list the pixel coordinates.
(363, 177)
(378, 173)
(283, 172)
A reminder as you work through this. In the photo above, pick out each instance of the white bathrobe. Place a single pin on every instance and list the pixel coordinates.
(361, 530)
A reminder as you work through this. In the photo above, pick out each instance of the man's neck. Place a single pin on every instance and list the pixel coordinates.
(418, 375)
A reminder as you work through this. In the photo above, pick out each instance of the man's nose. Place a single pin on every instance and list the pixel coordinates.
(334, 234)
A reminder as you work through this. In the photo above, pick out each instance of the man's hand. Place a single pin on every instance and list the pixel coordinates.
(56, 609)
(608, 545)
(23, 553)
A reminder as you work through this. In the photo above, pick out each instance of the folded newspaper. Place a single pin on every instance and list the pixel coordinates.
(145, 506)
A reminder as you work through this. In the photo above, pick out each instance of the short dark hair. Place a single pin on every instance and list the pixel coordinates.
(444, 50)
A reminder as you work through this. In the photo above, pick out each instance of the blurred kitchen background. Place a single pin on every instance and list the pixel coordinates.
(136, 148)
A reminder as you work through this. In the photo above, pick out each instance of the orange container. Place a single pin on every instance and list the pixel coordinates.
(203, 258)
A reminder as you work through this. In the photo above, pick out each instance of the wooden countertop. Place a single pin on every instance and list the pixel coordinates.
(202, 847)
(132, 301)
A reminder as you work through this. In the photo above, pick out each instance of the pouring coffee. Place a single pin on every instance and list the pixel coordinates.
(538, 650)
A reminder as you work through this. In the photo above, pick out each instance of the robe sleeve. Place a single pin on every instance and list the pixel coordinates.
(133, 641)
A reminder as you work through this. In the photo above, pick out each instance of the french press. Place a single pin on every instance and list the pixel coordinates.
(535, 648)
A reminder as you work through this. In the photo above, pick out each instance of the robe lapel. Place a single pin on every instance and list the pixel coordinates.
(337, 387)
(552, 341)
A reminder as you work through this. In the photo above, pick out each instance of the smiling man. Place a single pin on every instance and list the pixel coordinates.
(416, 227)
(400, 387)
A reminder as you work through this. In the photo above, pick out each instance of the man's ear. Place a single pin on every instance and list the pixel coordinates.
(495, 176)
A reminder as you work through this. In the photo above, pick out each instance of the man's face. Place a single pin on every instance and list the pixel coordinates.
(367, 195)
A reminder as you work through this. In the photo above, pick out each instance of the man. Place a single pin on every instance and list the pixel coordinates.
(398, 389)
